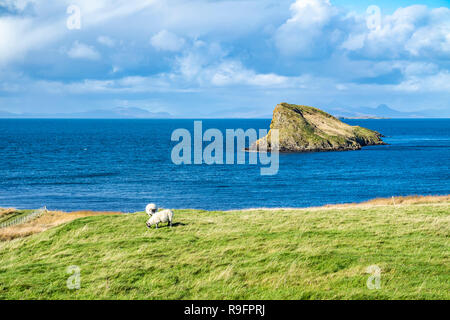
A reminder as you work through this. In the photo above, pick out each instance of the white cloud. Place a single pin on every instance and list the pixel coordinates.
(414, 31)
(419, 68)
(229, 19)
(354, 42)
(234, 73)
(317, 28)
(311, 12)
(201, 56)
(305, 34)
(207, 65)
(129, 84)
(82, 51)
(116, 69)
(17, 5)
(439, 82)
(257, 45)
(101, 11)
(167, 41)
(106, 41)
(432, 39)
(20, 35)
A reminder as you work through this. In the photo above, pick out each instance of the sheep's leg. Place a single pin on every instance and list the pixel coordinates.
(157, 226)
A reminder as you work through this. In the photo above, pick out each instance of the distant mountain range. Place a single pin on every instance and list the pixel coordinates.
(115, 113)
(382, 111)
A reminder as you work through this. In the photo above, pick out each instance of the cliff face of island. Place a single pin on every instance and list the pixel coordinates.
(308, 129)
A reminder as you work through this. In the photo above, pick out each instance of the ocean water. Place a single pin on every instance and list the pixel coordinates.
(125, 164)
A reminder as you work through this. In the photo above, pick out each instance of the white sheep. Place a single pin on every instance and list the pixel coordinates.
(160, 217)
(151, 209)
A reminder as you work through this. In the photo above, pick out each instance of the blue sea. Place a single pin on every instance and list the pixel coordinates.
(125, 164)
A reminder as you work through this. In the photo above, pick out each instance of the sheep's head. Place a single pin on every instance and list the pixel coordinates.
(151, 209)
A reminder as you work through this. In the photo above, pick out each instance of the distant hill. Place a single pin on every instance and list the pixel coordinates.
(115, 113)
(4, 114)
(382, 111)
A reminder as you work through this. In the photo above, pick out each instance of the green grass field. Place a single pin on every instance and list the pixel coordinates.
(283, 254)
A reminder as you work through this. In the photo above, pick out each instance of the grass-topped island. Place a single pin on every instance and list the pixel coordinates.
(314, 253)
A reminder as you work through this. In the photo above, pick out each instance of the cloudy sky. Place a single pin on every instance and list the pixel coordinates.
(216, 58)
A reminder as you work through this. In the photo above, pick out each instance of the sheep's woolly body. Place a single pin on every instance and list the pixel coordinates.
(160, 217)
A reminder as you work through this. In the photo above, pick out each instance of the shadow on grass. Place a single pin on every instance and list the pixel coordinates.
(174, 225)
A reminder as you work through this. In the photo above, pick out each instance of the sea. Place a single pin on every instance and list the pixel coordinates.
(121, 165)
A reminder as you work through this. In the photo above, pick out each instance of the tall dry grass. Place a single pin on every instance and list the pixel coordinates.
(414, 199)
(5, 211)
(393, 201)
(46, 221)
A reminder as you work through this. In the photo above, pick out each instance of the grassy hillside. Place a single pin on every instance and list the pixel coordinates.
(318, 253)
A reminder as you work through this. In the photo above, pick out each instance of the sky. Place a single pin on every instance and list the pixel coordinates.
(223, 58)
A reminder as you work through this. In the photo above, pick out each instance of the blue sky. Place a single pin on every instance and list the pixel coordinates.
(224, 58)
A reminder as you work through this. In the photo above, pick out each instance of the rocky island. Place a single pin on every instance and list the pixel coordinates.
(308, 129)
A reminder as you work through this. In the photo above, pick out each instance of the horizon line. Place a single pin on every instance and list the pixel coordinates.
(210, 118)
